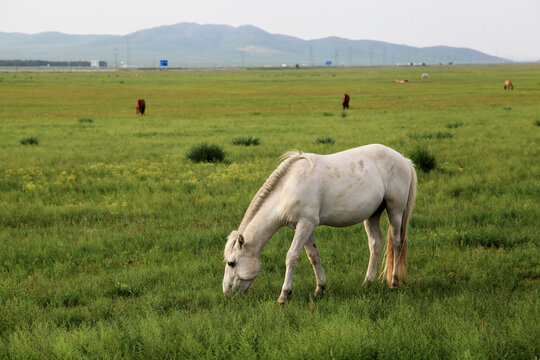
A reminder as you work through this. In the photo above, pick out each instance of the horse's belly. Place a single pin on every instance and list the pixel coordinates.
(341, 221)
(350, 209)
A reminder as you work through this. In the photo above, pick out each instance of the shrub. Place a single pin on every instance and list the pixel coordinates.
(246, 141)
(85, 120)
(32, 140)
(343, 114)
(205, 152)
(537, 122)
(325, 140)
(423, 158)
(327, 113)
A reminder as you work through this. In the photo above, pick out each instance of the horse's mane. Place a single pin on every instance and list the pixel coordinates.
(288, 159)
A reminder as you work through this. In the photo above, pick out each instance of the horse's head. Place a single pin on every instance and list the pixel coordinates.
(242, 266)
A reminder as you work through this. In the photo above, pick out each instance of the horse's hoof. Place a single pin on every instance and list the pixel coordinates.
(284, 296)
(368, 284)
(319, 292)
(368, 281)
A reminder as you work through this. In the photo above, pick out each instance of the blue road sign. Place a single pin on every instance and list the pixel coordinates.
(328, 62)
(164, 63)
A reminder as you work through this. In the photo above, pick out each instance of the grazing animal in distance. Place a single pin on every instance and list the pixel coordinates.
(425, 76)
(141, 106)
(508, 85)
(402, 81)
(341, 189)
(346, 98)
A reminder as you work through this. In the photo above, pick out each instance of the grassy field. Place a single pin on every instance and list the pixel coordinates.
(111, 240)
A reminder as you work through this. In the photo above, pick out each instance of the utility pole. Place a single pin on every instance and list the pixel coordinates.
(310, 55)
(127, 52)
(115, 58)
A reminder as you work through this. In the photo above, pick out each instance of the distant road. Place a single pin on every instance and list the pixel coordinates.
(56, 70)
(81, 70)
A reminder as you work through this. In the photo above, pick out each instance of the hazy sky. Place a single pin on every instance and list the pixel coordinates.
(506, 28)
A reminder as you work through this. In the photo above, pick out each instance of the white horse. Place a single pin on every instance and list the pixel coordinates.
(342, 189)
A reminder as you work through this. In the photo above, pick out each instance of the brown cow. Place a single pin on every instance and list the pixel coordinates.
(346, 98)
(508, 85)
(141, 105)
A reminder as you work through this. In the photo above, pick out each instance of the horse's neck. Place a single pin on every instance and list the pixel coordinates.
(263, 225)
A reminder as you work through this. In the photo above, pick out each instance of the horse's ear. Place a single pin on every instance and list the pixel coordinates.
(240, 240)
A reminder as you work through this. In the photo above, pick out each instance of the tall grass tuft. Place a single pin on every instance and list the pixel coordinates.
(86, 120)
(443, 135)
(537, 122)
(437, 135)
(423, 158)
(123, 290)
(454, 125)
(205, 152)
(246, 141)
(325, 140)
(32, 140)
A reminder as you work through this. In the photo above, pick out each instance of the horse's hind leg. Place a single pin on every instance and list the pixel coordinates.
(315, 260)
(395, 243)
(375, 241)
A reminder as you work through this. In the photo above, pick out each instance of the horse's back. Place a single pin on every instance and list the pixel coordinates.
(369, 161)
(370, 175)
(345, 188)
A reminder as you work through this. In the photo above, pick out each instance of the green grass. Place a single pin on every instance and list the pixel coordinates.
(111, 239)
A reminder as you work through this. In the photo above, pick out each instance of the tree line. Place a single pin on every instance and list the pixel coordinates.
(41, 63)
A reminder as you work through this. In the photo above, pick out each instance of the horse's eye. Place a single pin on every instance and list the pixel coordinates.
(231, 263)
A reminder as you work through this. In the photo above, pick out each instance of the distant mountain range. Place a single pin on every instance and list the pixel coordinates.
(194, 45)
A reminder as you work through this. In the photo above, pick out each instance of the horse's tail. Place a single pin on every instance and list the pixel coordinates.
(402, 262)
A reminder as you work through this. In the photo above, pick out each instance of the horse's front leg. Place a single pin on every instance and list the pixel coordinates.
(315, 260)
(304, 229)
